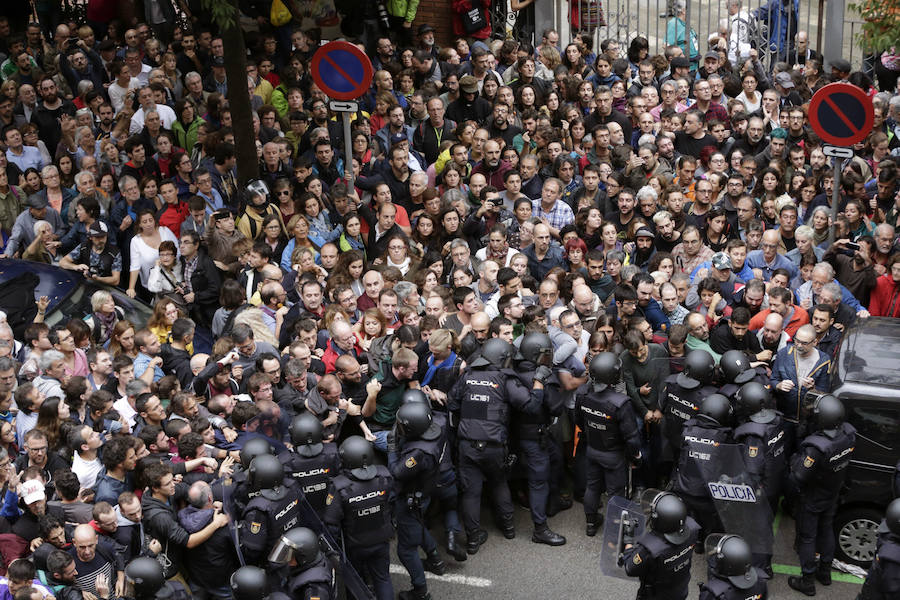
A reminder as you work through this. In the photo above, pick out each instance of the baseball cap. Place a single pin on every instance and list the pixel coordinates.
(784, 80)
(711, 54)
(644, 232)
(424, 28)
(468, 84)
(33, 491)
(398, 138)
(98, 229)
(218, 61)
(37, 201)
(721, 261)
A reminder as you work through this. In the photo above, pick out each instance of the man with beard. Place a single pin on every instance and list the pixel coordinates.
(733, 335)
(828, 337)
(754, 140)
(428, 136)
(643, 248)
(470, 105)
(698, 336)
(606, 113)
(491, 166)
(693, 138)
(884, 245)
(646, 304)
(499, 126)
(856, 272)
(47, 116)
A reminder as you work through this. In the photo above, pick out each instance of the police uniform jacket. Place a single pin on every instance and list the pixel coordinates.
(764, 452)
(664, 568)
(313, 474)
(700, 441)
(362, 508)
(819, 467)
(609, 425)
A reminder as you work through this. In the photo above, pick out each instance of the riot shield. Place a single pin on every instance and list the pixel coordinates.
(740, 502)
(621, 515)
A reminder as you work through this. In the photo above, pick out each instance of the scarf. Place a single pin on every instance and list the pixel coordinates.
(107, 322)
(432, 368)
(403, 266)
(498, 256)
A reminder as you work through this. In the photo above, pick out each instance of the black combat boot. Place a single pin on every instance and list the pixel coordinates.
(593, 524)
(454, 547)
(544, 535)
(415, 594)
(434, 563)
(805, 585)
(823, 574)
(475, 539)
(508, 528)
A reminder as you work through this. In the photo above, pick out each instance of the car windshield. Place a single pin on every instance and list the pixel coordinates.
(879, 367)
(79, 303)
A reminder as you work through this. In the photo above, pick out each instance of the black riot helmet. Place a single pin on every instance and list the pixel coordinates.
(415, 396)
(414, 421)
(536, 348)
(248, 583)
(716, 408)
(306, 434)
(828, 413)
(750, 403)
(266, 475)
(146, 576)
(892, 517)
(358, 456)
(736, 367)
(604, 370)
(732, 560)
(667, 516)
(299, 544)
(254, 447)
(495, 353)
(699, 366)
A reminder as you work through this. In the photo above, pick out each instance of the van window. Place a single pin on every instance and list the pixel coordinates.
(880, 425)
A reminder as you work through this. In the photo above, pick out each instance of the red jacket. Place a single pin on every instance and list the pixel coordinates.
(172, 216)
(885, 298)
(464, 6)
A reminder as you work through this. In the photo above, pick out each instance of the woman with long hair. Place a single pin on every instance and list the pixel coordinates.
(351, 238)
(371, 325)
(51, 415)
(144, 247)
(318, 217)
(769, 186)
(425, 235)
(573, 61)
(121, 340)
(450, 228)
(165, 312)
(398, 255)
(351, 265)
(273, 234)
(231, 296)
(716, 233)
(588, 225)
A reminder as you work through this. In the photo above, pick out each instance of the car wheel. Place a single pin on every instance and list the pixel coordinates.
(856, 532)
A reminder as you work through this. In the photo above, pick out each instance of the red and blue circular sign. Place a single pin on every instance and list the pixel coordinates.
(341, 70)
(841, 114)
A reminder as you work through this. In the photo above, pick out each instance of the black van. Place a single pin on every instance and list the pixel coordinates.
(866, 377)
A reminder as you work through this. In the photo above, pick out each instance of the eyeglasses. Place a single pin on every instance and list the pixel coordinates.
(41, 449)
(798, 342)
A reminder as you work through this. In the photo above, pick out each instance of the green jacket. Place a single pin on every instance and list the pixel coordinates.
(279, 100)
(403, 8)
(186, 139)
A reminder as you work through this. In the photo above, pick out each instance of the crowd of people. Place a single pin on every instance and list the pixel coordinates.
(615, 222)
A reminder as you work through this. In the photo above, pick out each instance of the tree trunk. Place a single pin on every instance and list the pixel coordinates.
(238, 99)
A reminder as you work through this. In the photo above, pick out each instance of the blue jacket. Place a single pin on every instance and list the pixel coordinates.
(655, 316)
(755, 260)
(781, 18)
(785, 367)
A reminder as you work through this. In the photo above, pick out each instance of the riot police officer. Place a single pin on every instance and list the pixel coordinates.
(683, 393)
(420, 444)
(735, 370)
(310, 574)
(359, 504)
(446, 492)
(272, 512)
(702, 438)
(148, 582)
(241, 494)
(251, 583)
(760, 432)
(883, 580)
(311, 464)
(818, 469)
(611, 436)
(540, 452)
(661, 557)
(732, 575)
(479, 405)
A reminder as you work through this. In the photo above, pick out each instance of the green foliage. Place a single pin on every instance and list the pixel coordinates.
(881, 24)
(224, 12)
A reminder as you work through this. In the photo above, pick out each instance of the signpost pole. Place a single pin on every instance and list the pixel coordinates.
(835, 197)
(348, 151)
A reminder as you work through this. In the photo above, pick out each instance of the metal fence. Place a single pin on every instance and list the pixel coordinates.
(623, 20)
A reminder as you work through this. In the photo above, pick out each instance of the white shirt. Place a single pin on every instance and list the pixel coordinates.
(166, 115)
(87, 470)
(117, 93)
(143, 257)
(125, 410)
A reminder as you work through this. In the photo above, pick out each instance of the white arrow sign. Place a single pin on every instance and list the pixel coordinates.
(343, 106)
(837, 151)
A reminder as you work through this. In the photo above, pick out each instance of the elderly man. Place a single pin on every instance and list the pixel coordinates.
(854, 269)
(691, 251)
(145, 98)
(23, 232)
(554, 213)
(808, 294)
(767, 259)
(804, 237)
(698, 334)
(97, 566)
(797, 370)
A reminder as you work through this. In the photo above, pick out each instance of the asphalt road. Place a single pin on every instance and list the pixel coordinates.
(521, 569)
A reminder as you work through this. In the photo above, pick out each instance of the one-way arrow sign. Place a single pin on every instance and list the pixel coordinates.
(337, 106)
